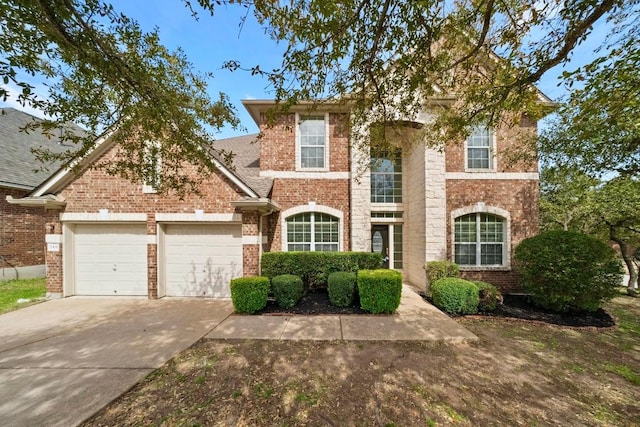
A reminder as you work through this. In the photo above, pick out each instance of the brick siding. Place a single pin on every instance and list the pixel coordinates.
(22, 232)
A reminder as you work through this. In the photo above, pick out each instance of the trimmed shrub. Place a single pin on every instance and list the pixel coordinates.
(437, 270)
(287, 289)
(342, 288)
(314, 268)
(489, 296)
(568, 272)
(455, 296)
(379, 290)
(249, 294)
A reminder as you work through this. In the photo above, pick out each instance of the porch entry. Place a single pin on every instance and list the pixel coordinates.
(380, 242)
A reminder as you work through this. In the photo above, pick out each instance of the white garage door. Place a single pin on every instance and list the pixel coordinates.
(110, 259)
(201, 260)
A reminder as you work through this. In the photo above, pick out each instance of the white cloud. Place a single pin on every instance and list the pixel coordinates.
(12, 100)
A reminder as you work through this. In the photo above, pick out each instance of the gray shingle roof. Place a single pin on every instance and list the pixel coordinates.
(18, 166)
(246, 161)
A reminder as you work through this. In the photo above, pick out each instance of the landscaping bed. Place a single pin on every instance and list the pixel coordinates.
(514, 307)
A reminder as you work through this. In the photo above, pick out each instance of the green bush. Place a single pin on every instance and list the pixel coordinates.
(315, 267)
(342, 288)
(489, 296)
(568, 272)
(249, 294)
(287, 289)
(380, 290)
(455, 296)
(437, 270)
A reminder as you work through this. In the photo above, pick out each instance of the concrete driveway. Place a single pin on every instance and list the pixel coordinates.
(63, 360)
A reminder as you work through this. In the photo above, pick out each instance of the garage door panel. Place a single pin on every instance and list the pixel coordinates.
(201, 260)
(110, 259)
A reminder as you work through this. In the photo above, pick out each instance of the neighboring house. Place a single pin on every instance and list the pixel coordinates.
(22, 229)
(295, 188)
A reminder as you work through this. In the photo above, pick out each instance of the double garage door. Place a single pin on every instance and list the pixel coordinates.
(195, 260)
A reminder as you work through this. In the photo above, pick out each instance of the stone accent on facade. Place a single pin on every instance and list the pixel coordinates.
(414, 243)
(360, 202)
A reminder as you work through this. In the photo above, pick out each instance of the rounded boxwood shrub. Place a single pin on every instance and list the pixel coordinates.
(488, 295)
(342, 288)
(379, 290)
(437, 270)
(287, 289)
(565, 271)
(249, 294)
(455, 296)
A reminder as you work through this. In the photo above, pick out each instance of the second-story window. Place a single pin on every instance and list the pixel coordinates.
(313, 142)
(386, 178)
(480, 148)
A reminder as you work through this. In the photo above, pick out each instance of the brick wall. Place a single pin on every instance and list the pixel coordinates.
(22, 232)
(289, 193)
(519, 197)
(278, 144)
(509, 142)
(94, 190)
(278, 153)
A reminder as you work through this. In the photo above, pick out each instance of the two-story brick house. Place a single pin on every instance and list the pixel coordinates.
(298, 187)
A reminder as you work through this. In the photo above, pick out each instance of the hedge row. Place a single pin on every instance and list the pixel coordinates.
(379, 291)
(314, 268)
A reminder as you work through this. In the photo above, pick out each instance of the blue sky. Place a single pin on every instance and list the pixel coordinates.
(211, 41)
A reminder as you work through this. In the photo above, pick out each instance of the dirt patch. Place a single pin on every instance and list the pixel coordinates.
(316, 301)
(517, 374)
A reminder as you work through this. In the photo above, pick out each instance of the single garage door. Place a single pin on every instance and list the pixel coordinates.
(110, 259)
(200, 260)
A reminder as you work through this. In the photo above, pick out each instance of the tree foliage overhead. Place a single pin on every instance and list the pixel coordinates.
(598, 129)
(390, 57)
(105, 73)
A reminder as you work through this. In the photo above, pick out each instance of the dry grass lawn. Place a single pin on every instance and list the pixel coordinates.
(519, 374)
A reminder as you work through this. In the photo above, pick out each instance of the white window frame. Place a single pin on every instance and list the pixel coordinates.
(481, 208)
(394, 174)
(147, 187)
(311, 208)
(492, 151)
(299, 118)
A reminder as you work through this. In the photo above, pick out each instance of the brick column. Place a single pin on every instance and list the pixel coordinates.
(152, 257)
(53, 258)
(250, 244)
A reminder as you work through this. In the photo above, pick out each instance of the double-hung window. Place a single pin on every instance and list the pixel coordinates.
(479, 240)
(480, 148)
(312, 137)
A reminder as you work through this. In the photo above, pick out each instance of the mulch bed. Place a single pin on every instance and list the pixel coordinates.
(513, 307)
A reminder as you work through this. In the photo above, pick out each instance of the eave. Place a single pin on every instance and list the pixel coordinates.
(48, 201)
(262, 204)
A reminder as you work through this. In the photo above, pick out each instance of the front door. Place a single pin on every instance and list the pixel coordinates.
(380, 242)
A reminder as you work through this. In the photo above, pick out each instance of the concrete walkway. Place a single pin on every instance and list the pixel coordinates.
(416, 320)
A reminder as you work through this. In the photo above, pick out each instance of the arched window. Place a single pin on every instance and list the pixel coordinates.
(479, 240)
(313, 231)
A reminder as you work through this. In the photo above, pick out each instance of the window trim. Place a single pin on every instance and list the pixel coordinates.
(493, 160)
(298, 135)
(151, 187)
(400, 160)
(481, 208)
(310, 208)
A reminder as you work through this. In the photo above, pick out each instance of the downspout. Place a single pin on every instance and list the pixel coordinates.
(260, 239)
